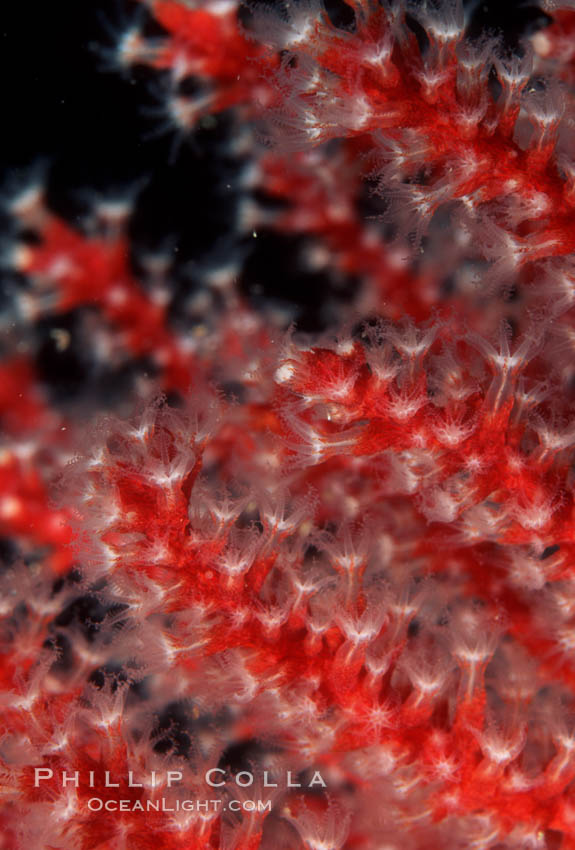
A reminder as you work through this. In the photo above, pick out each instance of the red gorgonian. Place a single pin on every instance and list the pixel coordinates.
(306, 590)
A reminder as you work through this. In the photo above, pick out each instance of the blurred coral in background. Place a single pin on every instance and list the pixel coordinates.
(287, 436)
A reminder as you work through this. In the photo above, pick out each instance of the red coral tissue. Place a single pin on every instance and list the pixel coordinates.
(306, 591)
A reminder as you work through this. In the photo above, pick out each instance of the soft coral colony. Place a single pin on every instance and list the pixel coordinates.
(347, 556)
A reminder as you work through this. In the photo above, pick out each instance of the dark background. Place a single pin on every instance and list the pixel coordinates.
(61, 105)
(88, 128)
